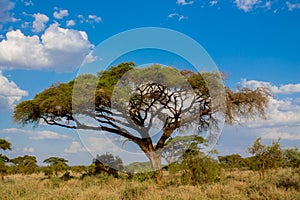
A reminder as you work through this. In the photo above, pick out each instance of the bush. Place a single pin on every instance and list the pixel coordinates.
(194, 171)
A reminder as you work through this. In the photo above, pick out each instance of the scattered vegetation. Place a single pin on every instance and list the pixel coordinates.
(193, 175)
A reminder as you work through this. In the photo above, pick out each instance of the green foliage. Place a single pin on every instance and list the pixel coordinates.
(195, 170)
(106, 163)
(56, 164)
(266, 157)
(231, 161)
(138, 167)
(292, 157)
(176, 147)
(24, 164)
(5, 145)
(110, 160)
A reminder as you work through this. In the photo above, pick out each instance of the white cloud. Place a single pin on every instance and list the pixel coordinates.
(5, 7)
(280, 112)
(28, 150)
(27, 2)
(276, 133)
(89, 19)
(36, 135)
(246, 5)
(95, 18)
(292, 6)
(70, 23)
(268, 4)
(283, 89)
(10, 93)
(213, 2)
(89, 58)
(184, 2)
(176, 15)
(57, 49)
(60, 14)
(75, 147)
(39, 22)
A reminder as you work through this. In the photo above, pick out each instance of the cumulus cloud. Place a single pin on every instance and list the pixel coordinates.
(70, 23)
(36, 135)
(275, 133)
(280, 112)
(95, 18)
(5, 7)
(282, 89)
(10, 93)
(57, 49)
(28, 150)
(89, 19)
(75, 147)
(27, 2)
(246, 5)
(292, 6)
(176, 15)
(39, 22)
(60, 14)
(184, 2)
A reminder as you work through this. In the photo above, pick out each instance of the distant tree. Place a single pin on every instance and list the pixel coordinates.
(4, 145)
(266, 156)
(138, 167)
(57, 164)
(177, 146)
(292, 157)
(79, 169)
(24, 164)
(108, 163)
(174, 99)
(231, 161)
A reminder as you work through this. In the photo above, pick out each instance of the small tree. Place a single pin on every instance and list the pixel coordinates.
(4, 145)
(292, 157)
(195, 167)
(266, 156)
(231, 161)
(177, 146)
(108, 163)
(24, 164)
(57, 164)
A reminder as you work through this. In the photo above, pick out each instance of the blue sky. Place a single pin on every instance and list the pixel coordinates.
(256, 42)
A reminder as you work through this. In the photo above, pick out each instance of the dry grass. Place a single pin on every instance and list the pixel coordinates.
(280, 184)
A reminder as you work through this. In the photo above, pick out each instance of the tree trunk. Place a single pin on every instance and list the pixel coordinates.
(155, 159)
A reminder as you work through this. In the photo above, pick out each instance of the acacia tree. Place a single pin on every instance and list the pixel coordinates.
(56, 163)
(176, 147)
(292, 157)
(24, 164)
(266, 157)
(4, 145)
(108, 163)
(130, 101)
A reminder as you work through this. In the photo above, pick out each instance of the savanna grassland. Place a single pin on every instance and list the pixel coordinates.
(232, 184)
